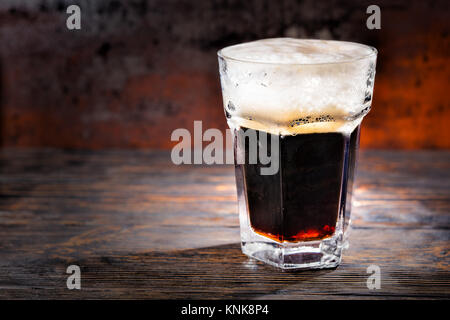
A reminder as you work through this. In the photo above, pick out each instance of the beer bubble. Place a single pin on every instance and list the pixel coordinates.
(231, 106)
(223, 65)
(310, 119)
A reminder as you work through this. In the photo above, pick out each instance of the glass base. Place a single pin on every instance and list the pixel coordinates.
(303, 255)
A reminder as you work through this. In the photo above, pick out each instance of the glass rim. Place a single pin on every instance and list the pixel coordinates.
(373, 53)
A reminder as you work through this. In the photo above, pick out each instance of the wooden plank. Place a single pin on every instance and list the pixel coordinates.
(140, 227)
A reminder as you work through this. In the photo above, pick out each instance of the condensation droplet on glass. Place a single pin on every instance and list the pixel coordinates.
(231, 106)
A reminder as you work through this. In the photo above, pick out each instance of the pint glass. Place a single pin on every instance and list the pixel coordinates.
(295, 108)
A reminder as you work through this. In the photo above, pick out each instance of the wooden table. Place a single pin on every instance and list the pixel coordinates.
(140, 227)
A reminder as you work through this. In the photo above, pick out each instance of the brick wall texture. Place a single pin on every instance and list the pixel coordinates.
(137, 70)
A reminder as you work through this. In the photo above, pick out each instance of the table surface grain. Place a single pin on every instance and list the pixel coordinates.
(141, 227)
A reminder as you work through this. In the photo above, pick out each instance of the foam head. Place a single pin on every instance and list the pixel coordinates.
(290, 86)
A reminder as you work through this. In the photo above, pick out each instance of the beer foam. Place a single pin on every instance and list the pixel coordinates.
(290, 86)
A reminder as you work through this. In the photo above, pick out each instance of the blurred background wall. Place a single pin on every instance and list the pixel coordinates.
(137, 70)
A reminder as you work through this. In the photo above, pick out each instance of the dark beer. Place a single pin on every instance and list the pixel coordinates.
(312, 188)
(306, 99)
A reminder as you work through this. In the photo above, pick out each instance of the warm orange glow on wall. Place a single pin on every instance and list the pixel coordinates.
(132, 85)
